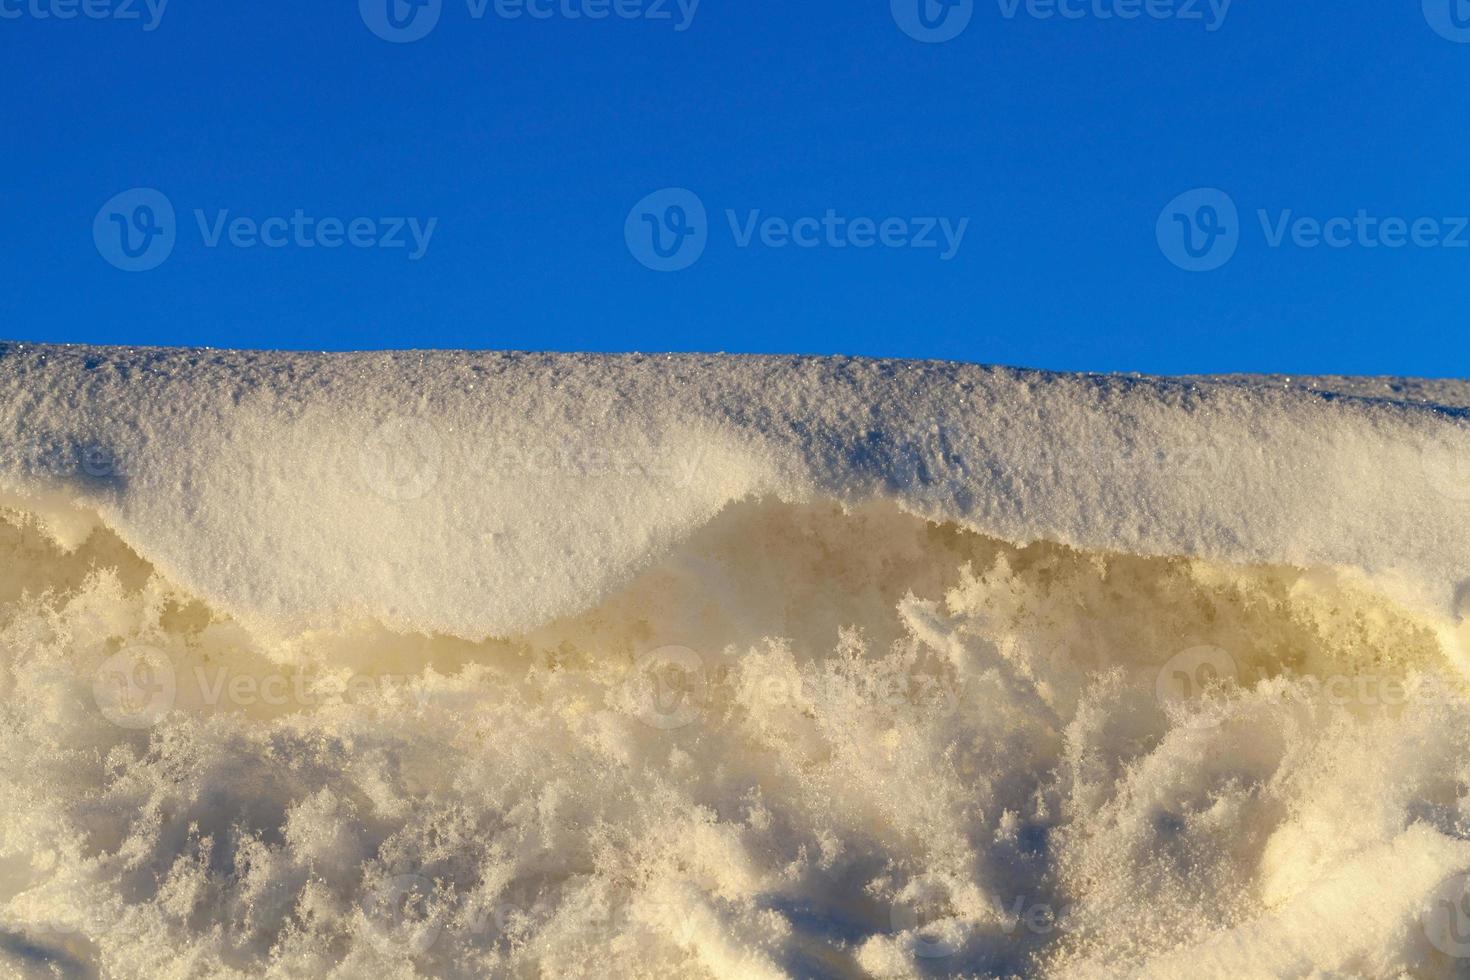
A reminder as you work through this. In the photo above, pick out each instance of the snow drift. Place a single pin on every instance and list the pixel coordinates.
(447, 664)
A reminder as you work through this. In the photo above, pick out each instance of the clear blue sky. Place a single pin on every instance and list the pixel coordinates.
(528, 142)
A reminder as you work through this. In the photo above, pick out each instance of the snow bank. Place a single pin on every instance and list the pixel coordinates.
(481, 495)
(462, 665)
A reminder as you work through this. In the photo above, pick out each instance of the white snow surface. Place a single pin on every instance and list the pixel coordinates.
(469, 665)
(484, 494)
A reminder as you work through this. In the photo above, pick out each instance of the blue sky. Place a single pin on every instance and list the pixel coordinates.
(986, 180)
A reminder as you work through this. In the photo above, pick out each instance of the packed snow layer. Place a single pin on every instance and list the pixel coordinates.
(454, 665)
(483, 494)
